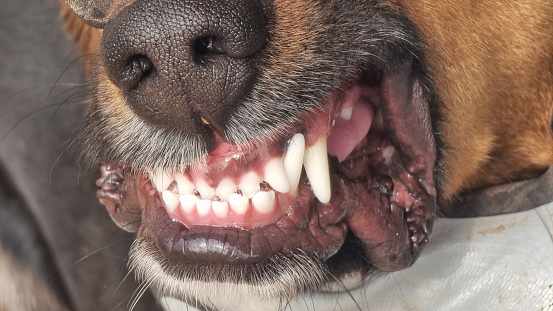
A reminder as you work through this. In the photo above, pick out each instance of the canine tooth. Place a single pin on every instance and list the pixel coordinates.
(346, 113)
(275, 175)
(220, 208)
(203, 207)
(184, 185)
(206, 192)
(225, 188)
(293, 160)
(264, 201)
(315, 161)
(249, 184)
(188, 202)
(170, 199)
(238, 203)
(161, 179)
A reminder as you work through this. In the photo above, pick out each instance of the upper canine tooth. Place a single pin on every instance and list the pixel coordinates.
(293, 160)
(315, 161)
(161, 179)
(184, 185)
(275, 175)
(249, 184)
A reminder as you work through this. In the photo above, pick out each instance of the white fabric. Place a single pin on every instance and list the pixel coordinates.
(489, 263)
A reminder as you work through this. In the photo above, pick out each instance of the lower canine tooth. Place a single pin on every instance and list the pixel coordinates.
(315, 162)
(171, 200)
(238, 203)
(293, 160)
(264, 201)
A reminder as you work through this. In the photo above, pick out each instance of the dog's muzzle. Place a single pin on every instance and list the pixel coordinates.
(282, 144)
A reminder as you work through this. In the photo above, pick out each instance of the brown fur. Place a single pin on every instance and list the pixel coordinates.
(493, 65)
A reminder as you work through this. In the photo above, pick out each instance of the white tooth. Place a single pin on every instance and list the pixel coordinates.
(264, 201)
(238, 203)
(161, 179)
(249, 184)
(206, 192)
(225, 188)
(293, 160)
(184, 185)
(346, 113)
(170, 199)
(220, 208)
(315, 162)
(188, 202)
(203, 207)
(275, 175)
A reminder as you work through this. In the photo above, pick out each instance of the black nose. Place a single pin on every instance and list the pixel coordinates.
(181, 61)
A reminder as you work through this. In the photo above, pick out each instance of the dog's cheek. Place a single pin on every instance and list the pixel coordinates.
(497, 99)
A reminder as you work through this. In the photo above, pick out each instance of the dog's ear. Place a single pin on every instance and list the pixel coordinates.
(92, 12)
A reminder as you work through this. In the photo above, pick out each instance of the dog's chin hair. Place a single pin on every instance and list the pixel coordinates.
(281, 278)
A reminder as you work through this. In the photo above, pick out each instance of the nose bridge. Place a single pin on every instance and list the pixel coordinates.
(180, 61)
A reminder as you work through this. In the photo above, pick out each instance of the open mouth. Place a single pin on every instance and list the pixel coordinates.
(360, 167)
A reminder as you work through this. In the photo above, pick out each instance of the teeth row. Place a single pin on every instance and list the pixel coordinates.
(262, 201)
(281, 173)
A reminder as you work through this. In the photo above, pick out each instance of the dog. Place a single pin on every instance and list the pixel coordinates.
(203, 114)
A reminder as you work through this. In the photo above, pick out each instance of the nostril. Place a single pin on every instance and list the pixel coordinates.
(134, 70)
(204, 46)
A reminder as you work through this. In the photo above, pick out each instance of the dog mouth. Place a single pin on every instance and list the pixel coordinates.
(358, 170)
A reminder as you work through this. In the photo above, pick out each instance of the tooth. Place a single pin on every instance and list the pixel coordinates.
(203, 207)
(346, 113)
(184, 185)
(170, 199)
(249, 184)
(225, 188)
(264, 201)
(161, 179)
(220, 208)
(188, 202)
(293, 161)
(238, 203)
(315, 162)
(206, 192)
(275, 175)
